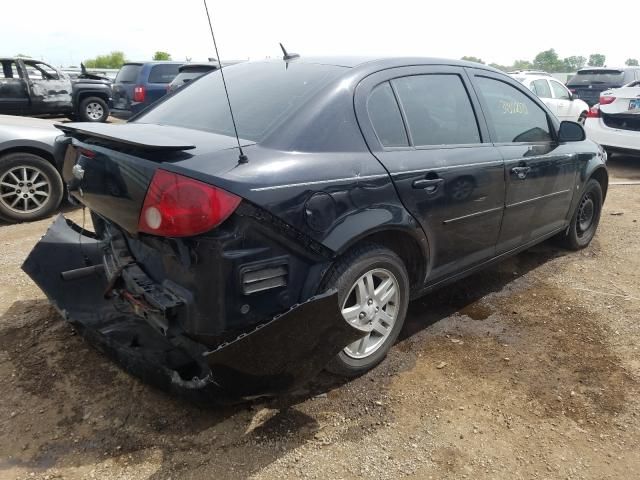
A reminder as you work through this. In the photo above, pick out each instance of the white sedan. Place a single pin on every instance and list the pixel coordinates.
(614, 123)
(554, 95)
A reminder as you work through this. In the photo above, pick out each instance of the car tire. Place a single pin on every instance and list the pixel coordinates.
(18, 173)
(586, 217)
(384, 310)
(93, 109)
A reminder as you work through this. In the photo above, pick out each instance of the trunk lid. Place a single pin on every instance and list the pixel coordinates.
(108, 168)
(627, 101)
(587, 84)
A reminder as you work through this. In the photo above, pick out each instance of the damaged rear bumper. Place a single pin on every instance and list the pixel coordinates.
(273, 358)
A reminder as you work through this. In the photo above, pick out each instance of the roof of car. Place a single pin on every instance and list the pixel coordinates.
(382, 61)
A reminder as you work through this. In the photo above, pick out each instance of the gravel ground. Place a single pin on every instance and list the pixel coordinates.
(530, 369)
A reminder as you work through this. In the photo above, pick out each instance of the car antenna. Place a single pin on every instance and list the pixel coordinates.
(242, 158)
(287, 55)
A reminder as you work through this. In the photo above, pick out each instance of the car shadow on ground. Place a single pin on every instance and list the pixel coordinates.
(121, 417)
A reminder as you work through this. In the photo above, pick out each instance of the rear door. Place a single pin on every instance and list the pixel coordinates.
(540, 173)
(50, 90)
(542, 89)
(124, 84)
(14, 97)
(421, 124)
(562, 99)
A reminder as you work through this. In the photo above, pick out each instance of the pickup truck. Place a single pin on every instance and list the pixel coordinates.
(31, 87)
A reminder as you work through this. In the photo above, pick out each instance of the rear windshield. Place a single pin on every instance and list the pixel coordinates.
(595, 77)
(186, 77)
(163, 73)
(262, 94)
(128, 73)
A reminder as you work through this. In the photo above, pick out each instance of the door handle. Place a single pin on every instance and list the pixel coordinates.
(430, 185)
(521, 172)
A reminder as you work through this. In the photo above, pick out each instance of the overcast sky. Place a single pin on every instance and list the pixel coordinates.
(65, 32)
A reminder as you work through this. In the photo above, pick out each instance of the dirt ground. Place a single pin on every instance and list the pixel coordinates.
(528, 370)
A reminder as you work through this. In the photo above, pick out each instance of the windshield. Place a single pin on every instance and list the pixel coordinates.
(586, 77)
(262, 95)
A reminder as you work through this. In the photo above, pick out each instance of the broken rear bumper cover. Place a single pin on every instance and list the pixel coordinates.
(273, 358)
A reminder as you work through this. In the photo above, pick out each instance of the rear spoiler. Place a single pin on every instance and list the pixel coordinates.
(143, 136)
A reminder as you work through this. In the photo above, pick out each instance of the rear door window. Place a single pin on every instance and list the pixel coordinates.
(163, 73)
(10, 70)
(437, 109)
(128, 73)
(511, 114)
(386, 118)
(541, 88)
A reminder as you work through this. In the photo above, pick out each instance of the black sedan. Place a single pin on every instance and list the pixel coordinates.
(362, 184)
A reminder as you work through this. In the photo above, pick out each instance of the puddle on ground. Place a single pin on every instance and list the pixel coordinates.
(476, 311)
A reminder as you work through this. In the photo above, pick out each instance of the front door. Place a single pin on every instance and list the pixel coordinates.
(50, 91)
(422, 126)
(14, 98)
(540, 173)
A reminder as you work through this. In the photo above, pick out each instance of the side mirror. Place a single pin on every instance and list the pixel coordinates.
(571, 132)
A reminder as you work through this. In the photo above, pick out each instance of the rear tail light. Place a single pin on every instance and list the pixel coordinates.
(607, 100)
(139, 93)
(594, 112)
(572, 90)
(177, 206)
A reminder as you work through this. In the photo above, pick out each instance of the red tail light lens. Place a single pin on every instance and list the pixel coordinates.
(139, 93)
(607, 100)
(594, 112)
(177, 206)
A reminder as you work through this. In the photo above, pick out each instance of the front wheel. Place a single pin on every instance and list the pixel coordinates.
(586, 217)
(30, 187)
(93, 109)
(373, 291)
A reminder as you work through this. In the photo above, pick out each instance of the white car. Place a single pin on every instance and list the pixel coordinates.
(555, 95)
(614, 123)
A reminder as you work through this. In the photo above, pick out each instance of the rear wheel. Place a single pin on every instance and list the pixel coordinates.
(373, 291)
(93, 109)
(586, 217)
(30, 187)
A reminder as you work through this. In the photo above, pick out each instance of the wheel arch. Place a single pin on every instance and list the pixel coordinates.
(410, 245)
(32, 149)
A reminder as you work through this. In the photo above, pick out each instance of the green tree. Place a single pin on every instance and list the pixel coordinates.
(161, 56)
(522, 65)
(548, 61)
(574, 63)
(114, 59)
(597, 60)
(631, 62)
(497, 66)
(472, 59)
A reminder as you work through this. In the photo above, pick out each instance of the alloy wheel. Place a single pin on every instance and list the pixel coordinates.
(372, 303)
(24, 189)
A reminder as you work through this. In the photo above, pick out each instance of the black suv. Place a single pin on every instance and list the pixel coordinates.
(588, 83)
